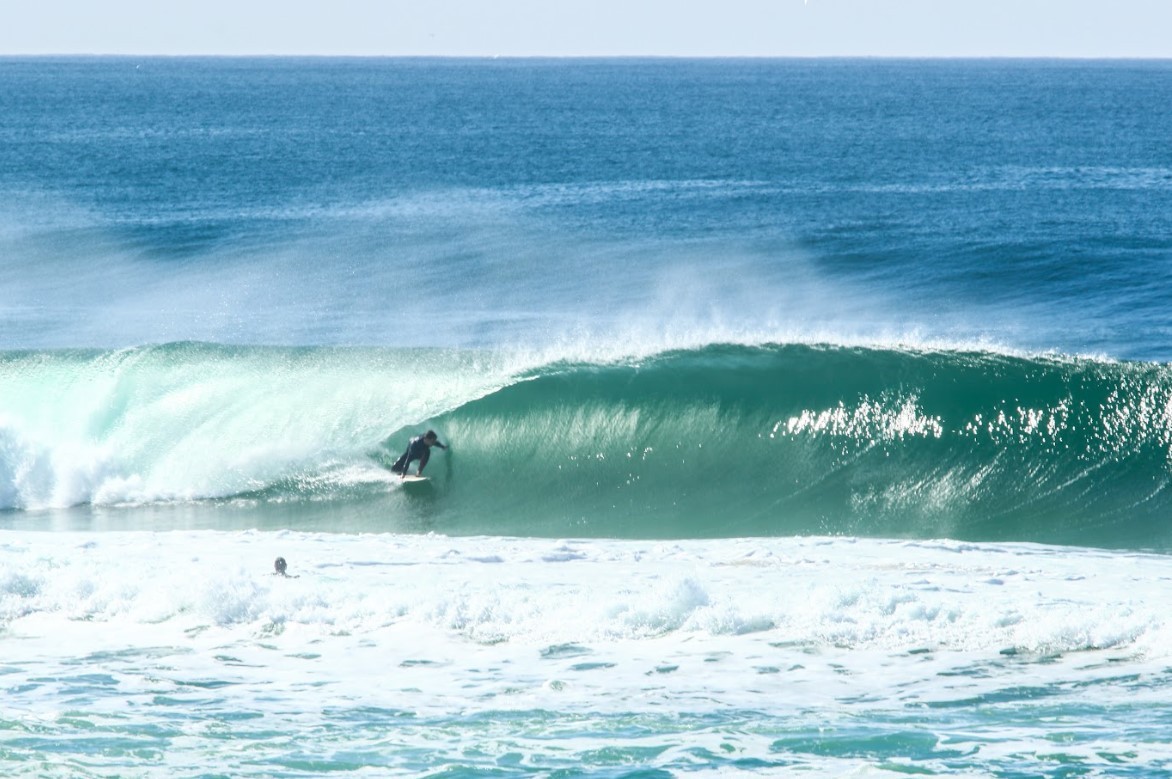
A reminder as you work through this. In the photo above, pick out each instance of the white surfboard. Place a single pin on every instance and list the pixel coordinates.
(412, 479)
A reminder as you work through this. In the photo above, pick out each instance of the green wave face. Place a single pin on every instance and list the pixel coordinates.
(714, 441)
(737, 441)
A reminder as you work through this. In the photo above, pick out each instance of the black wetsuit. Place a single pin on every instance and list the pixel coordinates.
(417, 449)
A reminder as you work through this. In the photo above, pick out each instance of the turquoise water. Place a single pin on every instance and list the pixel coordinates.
(174, 654)
(804, 416)
(882, 442)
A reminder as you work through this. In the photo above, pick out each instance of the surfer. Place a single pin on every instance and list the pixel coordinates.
(419, 448)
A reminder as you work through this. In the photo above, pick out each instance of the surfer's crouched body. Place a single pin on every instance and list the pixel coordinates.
(418, 449)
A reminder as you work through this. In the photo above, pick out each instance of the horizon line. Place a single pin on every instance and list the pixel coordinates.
(259, 55)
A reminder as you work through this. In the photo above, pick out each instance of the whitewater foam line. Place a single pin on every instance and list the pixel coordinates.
(623, 649)
(852, 594)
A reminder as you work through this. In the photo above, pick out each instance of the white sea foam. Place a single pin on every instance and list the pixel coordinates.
(185, 422)
(389, 631)
(854, 594)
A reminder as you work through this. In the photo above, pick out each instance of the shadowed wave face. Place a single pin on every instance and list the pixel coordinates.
(780, 440)
(720, 440)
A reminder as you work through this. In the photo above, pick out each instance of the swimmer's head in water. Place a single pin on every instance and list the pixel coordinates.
(280, 565)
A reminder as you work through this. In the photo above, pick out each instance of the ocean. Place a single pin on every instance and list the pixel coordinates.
(805, 417)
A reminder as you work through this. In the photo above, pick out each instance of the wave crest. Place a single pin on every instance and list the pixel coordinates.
(719, 440)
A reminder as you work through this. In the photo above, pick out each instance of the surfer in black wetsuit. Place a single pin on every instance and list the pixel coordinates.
(419, 448)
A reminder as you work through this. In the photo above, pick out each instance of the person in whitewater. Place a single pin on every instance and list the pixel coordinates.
(419, 448)
(279, 568)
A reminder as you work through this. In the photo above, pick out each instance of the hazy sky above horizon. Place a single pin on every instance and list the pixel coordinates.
(702, 28)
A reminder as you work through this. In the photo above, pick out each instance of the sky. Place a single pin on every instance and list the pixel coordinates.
(572, 28)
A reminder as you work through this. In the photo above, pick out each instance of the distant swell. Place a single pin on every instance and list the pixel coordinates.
(715, 441)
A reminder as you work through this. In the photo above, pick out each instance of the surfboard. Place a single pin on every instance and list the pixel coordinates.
(412, 479)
